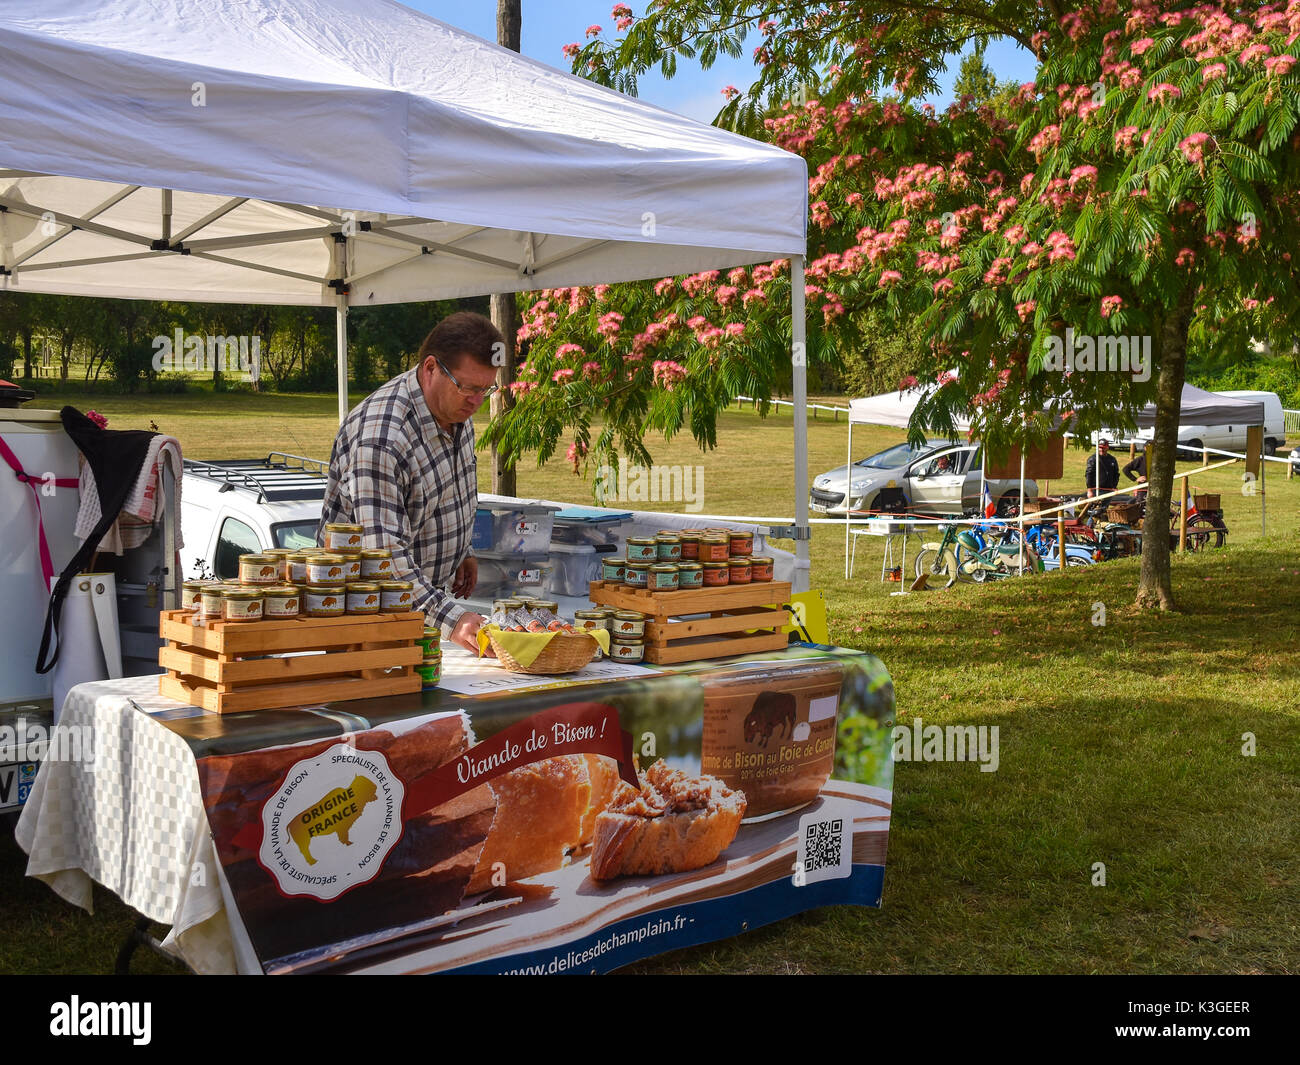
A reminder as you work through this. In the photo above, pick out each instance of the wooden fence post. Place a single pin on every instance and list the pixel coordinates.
(1182, 519)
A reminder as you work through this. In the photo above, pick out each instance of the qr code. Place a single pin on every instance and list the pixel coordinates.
(822, 844)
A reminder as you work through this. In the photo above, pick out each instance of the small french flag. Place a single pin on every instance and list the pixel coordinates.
(989, 508)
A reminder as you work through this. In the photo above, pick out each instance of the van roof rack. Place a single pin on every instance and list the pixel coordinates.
(279, 477)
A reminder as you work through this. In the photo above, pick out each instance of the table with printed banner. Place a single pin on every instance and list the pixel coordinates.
(490, 825)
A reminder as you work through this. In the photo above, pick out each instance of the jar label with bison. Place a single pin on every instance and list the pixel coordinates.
(777, 746)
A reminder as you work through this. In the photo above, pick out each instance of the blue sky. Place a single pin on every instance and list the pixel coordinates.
(548, 25)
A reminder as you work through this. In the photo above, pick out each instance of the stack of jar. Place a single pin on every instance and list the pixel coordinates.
(430, 669)
(689, 559)
(626, 630)
(340, 579)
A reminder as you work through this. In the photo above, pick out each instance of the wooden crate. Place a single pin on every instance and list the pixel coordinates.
(705, 623)
(230, 666)
(1206, 502)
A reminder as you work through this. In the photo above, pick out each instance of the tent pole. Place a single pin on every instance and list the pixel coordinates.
(1263, 504)
(848, 491)
(341, 339)
(1021, 517)
(799, 357)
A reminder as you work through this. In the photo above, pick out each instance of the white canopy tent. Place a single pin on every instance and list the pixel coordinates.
(355, 152)
(892, 408)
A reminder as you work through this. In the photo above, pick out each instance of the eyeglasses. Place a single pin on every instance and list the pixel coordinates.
(477, 393)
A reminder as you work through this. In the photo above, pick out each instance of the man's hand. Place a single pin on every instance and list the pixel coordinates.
(466, 578)
(463, 635)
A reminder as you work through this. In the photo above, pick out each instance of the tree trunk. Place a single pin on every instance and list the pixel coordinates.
(1155, 591)
(27, 354)
(505, 317)
(504, 308)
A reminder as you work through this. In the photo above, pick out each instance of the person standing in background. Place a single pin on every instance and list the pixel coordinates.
(404, 469)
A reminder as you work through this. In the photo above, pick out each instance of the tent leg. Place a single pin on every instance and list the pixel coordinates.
(799, 357)
(1021, 518)
(848, 491)
(341, 339)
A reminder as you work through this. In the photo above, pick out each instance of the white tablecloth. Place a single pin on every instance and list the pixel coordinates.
(132, 819)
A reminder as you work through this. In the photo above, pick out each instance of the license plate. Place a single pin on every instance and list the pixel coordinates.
(15, 784)
(818, 508)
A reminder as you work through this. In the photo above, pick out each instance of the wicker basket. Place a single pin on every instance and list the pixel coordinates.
(564, 654)
(1124, 513)
(1206, 502)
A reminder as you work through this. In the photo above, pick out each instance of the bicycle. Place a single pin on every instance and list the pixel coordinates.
(966, 556)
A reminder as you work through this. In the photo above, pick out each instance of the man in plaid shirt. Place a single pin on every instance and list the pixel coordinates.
(403, 468)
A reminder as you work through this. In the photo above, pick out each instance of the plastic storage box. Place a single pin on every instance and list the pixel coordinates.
(579, 525)
(521, 529)
(502, 576)
(573, 568)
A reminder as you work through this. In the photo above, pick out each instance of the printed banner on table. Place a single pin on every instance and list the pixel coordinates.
(555, 831)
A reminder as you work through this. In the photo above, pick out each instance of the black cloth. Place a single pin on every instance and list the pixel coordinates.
(1138, 467)
(1109, 472)
(115, 458)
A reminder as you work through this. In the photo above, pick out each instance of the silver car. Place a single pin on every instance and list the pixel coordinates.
(940, 478)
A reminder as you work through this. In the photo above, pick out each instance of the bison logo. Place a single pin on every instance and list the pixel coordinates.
(334, 571)
(627, 626)
(291, 605)
(354, 539)
(371, 599)
(333, 815)
(329, 600)
(772, 710)
(267, 571)
(405, 597)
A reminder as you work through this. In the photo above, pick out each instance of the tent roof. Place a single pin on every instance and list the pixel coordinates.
(463, 167)
(893, 408)
(1200, 407)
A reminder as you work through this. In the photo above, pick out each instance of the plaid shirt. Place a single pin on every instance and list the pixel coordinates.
(411, 486)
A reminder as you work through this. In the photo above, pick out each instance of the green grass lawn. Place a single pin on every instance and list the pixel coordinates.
(1120, 743)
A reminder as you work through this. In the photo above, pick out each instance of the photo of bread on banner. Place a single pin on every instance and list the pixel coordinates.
(549, 810)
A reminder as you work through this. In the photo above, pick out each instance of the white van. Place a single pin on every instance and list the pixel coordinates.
(1274, 431)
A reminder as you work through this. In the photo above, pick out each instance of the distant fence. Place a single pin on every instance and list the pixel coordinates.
(814, 407)
(1291, 421)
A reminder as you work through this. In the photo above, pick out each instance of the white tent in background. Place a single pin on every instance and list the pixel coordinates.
(892, 408)
(355, 152)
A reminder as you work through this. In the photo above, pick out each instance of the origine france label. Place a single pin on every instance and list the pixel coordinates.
(332, 822)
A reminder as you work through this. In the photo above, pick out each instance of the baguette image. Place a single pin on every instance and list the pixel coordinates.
(672, 824)
(538, 820)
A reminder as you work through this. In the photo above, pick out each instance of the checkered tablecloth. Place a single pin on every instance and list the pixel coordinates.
(118, 802)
